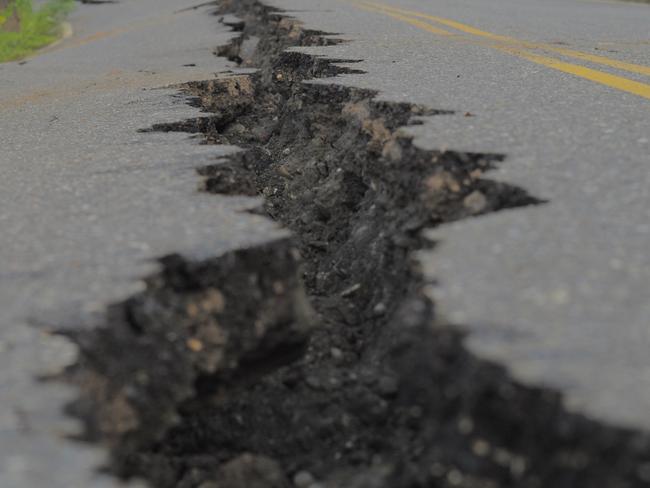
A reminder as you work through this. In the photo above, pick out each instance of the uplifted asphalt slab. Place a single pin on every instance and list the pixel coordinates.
(558, 293)
(88, 202)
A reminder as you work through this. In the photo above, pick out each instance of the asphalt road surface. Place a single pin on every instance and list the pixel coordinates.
(88, 203)
(559, 293)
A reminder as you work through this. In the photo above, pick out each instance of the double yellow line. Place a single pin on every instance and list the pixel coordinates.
(523, 49)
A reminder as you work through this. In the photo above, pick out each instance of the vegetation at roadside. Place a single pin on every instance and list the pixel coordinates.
(24, 28)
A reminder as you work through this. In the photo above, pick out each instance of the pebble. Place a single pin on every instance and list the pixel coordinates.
(465, 425)
(194, 345)
(237, 129)
(454, 477)
(303, 479)
(475, 202)
(481, 448)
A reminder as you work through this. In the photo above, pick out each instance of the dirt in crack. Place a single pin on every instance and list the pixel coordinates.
(263, 369)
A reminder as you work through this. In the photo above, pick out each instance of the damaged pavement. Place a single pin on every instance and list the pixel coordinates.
(237, 287)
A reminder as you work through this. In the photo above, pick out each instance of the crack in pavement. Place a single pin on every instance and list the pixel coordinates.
(86, 205)
(383, 394)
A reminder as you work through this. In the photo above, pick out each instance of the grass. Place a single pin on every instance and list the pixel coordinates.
(38, 27)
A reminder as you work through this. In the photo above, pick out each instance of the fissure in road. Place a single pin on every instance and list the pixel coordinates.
(318, 360)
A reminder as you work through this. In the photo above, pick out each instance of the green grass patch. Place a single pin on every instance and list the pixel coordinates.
(38, 27)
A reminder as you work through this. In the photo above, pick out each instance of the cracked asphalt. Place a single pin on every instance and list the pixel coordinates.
(88, 203)
(558, 293)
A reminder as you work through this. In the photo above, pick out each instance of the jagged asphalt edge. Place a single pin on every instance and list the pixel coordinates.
(186, 126)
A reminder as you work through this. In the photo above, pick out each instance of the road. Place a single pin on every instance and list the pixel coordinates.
(88, 203)
(558, 293)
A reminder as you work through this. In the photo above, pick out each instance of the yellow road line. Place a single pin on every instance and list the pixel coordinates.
(612, 81)
(417, 23)
(520, 49)
(593, 58)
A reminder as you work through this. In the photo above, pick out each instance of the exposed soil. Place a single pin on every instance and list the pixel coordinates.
(318, 362)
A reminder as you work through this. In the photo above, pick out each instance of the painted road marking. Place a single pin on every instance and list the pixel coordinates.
(571, 53)
(523, 49)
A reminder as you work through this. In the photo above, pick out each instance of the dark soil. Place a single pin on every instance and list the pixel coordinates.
(265, 369)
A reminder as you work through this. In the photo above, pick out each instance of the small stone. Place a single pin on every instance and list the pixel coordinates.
(237, 129)
(213, 302)
(283, 171)
(454, 477)
(502, 457)
(194, 345)
(435, 182)
(481, 448)
(249, 471)
(392, 150)
(360, 110)
(453, 185)
(313, 382)
(475, 202)
(334, 382)
(336, 353)
(303, 479)
(192, 310)
(465, 425)
(518, 466)
(379, 309)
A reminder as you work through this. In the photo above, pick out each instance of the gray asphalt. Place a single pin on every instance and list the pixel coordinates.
(560, 293)
(87, 203)
(557, 293)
